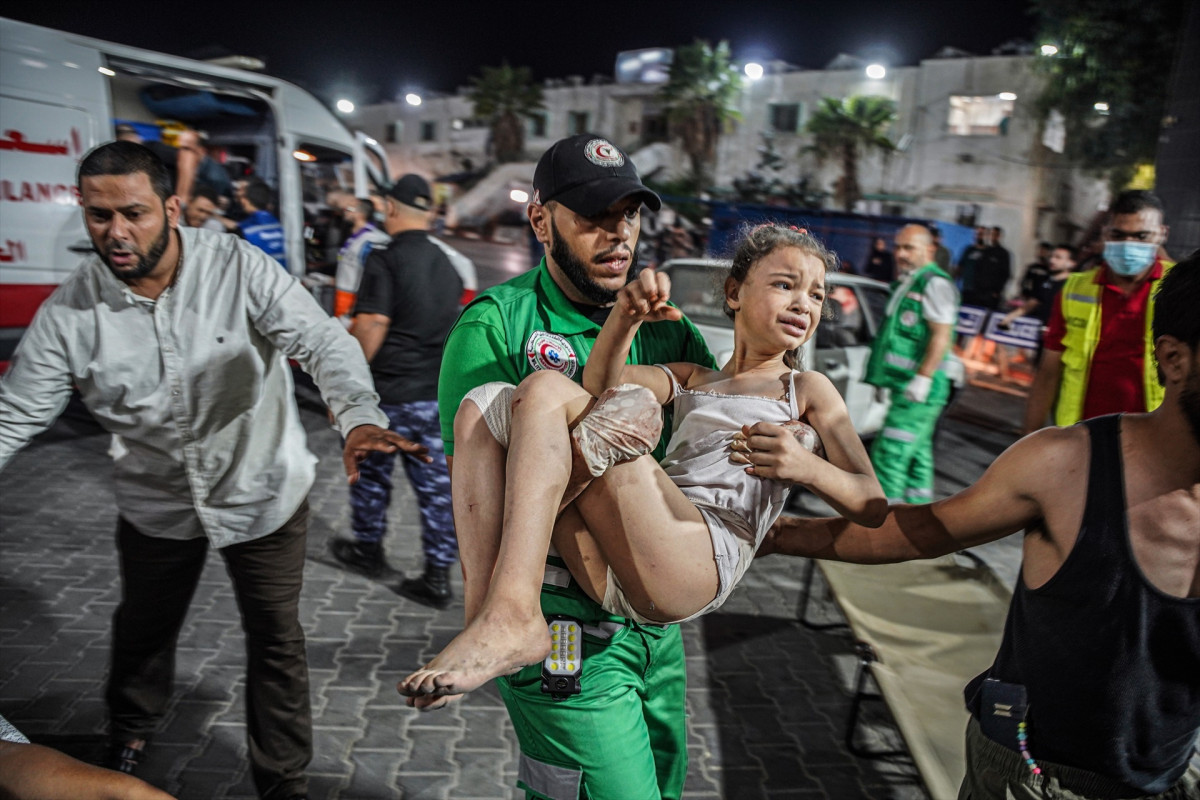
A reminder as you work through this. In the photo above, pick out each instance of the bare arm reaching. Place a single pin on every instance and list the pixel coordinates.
(1013, 494)
(33, 772)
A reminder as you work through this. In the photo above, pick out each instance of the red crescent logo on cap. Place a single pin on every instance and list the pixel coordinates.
(604, 153)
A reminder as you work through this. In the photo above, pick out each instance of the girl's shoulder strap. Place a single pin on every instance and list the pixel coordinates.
(674, 382)
(793, 405)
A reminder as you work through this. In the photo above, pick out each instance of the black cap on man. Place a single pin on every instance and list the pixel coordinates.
(413, 191)
(587, 174)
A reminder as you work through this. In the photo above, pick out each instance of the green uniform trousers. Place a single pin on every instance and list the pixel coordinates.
(630, 711)
(902, 453)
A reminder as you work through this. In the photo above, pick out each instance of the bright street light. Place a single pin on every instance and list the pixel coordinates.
(1102, 107)
(1007, 96)
(753, 71)
(345, 106)
(1049, 50)
(413, 99)
(876, 71)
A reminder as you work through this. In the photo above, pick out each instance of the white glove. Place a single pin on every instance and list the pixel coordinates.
(917, 390)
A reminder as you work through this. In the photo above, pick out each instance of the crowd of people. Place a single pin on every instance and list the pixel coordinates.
(531, 426)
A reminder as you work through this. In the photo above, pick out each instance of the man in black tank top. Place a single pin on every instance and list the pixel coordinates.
(1101, 650)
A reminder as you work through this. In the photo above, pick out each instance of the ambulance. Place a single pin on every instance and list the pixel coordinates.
(62, 94)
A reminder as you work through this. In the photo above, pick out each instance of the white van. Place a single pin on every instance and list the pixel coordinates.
(61, 94)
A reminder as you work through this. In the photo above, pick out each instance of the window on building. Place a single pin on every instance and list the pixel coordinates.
(979, 116)
(654, 128)
(394, 133)
(428, 130)
(577, 122)
(535, 126)
(784, 117)
(967, 214)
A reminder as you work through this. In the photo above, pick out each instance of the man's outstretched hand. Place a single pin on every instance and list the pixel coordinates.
(366, 438)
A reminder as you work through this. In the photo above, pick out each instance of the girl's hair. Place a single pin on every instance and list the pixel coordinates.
(760, 241)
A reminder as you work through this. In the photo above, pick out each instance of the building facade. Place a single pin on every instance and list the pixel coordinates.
(970, 148)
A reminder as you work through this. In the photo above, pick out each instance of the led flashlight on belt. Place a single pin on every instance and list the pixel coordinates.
(562, 668)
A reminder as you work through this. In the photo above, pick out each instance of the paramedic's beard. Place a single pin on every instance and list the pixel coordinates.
(146, 261)
(577, 273)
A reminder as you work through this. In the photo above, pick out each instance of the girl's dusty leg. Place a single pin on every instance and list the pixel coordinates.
(654, 539)
(578, 548)
(509, 632)
(477, 497)
(574, 544)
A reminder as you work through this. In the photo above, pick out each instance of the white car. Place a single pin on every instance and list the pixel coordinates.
(839, 349)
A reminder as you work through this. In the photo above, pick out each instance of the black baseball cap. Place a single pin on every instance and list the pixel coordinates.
(587, 174)
(412, 190)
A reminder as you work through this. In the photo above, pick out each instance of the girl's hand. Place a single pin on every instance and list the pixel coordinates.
(645, 298)
(775, 451)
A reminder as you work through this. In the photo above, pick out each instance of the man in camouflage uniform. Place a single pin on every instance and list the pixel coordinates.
(407, 302)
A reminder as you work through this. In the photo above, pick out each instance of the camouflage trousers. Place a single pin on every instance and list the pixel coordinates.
(370, 496)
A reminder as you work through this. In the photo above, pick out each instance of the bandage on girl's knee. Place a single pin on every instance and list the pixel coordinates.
(624, 424)
(494, 401)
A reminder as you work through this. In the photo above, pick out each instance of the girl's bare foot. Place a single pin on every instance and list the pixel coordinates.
(428, 702)
(491, 646)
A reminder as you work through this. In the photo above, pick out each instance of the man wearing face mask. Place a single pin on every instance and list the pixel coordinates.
(1098, 355)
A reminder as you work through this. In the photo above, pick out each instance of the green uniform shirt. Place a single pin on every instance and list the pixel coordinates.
(624, 735)
(527, 324)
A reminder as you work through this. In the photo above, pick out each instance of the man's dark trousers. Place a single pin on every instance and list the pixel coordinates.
(158, 579)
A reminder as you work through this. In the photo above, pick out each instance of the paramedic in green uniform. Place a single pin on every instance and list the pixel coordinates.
(623, 735)
(906, 358)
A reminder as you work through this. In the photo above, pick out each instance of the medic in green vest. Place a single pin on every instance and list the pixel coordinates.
(906, 359)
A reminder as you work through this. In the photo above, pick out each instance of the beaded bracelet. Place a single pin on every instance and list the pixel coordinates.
(1023, 746)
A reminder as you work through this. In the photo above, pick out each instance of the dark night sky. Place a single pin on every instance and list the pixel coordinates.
(370, 51)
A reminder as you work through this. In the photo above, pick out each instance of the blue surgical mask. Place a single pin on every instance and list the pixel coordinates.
(1130, 258)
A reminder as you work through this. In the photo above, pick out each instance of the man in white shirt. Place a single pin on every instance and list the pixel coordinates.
(177, 340)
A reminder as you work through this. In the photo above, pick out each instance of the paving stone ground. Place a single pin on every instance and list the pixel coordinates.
(767, 698)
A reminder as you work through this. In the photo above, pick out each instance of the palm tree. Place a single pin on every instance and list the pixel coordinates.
(844, 129)
(503, 95)
(699, 96)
